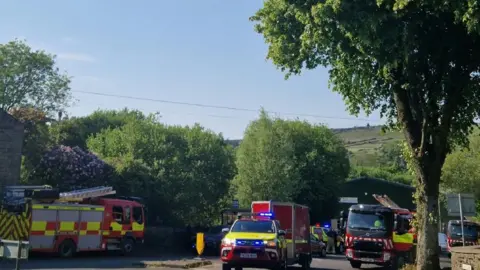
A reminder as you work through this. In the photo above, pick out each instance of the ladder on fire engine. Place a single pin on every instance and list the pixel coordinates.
(385, 201)
(81, 194)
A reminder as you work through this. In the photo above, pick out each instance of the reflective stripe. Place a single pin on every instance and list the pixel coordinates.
(66, 207)
(67, 226)
(39, 225)
(297, 241)
(93, 226)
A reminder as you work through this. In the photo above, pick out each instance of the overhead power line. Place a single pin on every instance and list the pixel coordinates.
(220, 107)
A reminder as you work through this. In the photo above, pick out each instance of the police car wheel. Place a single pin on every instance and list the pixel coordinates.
(323, 253)
(66, 249)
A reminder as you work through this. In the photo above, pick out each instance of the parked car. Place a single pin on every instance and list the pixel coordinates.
(318, 247)
(442, 242)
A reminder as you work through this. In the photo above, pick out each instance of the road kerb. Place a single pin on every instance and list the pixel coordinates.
(173, 264)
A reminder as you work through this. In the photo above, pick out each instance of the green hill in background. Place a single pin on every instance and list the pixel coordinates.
(363, 143)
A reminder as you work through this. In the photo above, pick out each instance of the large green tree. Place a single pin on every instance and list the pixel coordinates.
(182, 172)
(413, 60)
(291, 161)
(31, 78)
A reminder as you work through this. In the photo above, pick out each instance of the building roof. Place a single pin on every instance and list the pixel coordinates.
(372, 179)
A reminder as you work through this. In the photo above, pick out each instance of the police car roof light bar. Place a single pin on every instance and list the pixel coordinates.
(262, 214)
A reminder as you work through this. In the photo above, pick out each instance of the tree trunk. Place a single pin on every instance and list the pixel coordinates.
(427, 218)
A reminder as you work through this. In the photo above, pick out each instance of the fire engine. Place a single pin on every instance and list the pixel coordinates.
(471, 232)
(379, 234)
(273, 235)
(70, 222)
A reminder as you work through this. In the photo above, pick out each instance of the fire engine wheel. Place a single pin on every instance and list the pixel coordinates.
(67, 249)
(355, 264)
(127, 246)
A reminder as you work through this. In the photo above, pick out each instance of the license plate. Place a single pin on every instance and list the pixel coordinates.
(248, 255)
(367, 259)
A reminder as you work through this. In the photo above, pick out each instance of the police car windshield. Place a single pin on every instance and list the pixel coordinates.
(254, 226)
(367, 221)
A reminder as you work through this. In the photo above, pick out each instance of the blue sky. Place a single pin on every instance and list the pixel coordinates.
(187, 51)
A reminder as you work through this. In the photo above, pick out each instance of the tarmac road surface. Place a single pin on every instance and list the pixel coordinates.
(331, 262)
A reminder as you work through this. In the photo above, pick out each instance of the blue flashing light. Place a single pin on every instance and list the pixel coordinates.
(249, 243)
(327, 225)
(267, 214)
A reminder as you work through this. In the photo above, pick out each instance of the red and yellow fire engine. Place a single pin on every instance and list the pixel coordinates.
(379, 235)
(70, 222)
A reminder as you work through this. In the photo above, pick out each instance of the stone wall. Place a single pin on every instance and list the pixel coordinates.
(466, 255)
(11, 141)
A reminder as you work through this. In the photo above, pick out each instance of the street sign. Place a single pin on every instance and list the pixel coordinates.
(467, 203)
(235, 204)
(200, 244)
(348, 200)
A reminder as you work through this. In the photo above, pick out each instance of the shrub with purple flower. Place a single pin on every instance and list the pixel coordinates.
(71, 168)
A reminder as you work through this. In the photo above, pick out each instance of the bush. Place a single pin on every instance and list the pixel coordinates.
(71, 168)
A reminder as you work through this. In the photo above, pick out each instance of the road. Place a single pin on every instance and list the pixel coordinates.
(332, 262)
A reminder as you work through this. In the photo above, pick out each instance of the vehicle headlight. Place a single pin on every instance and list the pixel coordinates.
(226, 241)
(270, 243)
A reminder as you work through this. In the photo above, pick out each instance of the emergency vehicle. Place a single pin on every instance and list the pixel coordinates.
(273, 235)
(70, 222)
(454, 234)
(379, 234)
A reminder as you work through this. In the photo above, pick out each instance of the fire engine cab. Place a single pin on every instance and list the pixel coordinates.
(274, 235)
(376, 234)
(70, 222)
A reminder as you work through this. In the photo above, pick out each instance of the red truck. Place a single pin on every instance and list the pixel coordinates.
(276, 235)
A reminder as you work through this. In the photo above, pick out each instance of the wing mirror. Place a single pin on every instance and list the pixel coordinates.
(225, 230)
(281, 233)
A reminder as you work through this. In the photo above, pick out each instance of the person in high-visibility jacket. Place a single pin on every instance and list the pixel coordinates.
(379, 222)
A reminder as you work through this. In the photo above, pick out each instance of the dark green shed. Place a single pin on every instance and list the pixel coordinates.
(363, 189)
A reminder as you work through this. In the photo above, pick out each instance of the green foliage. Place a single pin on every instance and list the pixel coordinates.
(183, 172)
(291, 161)
(30, 79)
(461, 172)
(75, 131)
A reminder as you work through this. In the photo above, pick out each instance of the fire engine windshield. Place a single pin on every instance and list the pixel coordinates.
(369, 221)
(263, 226)
(468, 230)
